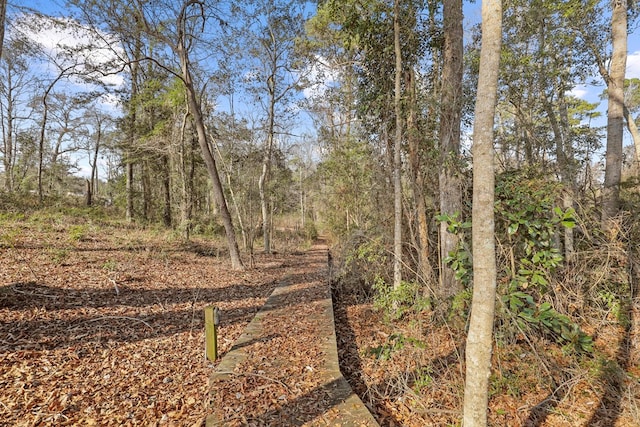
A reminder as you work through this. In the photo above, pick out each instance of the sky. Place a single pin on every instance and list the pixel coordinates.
(590, 93)
(472, 15)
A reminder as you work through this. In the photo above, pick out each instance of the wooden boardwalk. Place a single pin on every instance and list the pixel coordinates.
(283, 370)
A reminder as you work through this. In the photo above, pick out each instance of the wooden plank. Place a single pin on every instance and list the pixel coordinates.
(211, 333)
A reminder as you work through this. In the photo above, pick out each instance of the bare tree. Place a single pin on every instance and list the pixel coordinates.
(62, 73)
(178, 26)
(479, 339)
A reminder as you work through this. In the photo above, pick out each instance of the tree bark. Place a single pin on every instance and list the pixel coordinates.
(129, 187)
(397, 163)
(166, 187)
(93, 162)
(615, 124)
(265, 205)
(8, 135)
(210, 162)
(479, 338)
(635, 134)
(3, 15)
(414, 136)
(134, 67)
(43, 127)
(449, 138)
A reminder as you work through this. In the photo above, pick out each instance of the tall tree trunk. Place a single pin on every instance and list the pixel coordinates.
(3, 15)
(93, 162)
(207, 155)
(449, 137)
(129, 186)
(479, 338)
(414, 137)
(397, 146)
(137, 53)
(564, 169)
(187, 174)
(166, 187)
(8, 138)
(145, 174)
(615, 124)
(263, 182)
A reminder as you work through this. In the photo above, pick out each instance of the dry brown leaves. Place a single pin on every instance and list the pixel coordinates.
(424, 385)
(106, 329)
(282, 381)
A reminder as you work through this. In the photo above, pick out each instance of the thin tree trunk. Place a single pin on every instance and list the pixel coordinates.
(145, 174)
(132, 123)
(89, 199)
(93, 182)
(218, 192)
(615, 124)
(563, 168)
(166, 186)
(479, 338)
(129, 187)
(449, 136)
(397, 164)
(8, 138)
(186, 175)
(414, 136)
(3, 14)
(43, 127)
(635, 134)
(266, 170)
(570, 176)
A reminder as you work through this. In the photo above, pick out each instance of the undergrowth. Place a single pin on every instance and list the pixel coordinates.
(565, 328)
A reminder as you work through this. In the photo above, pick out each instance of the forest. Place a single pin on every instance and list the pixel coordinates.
(473, 168)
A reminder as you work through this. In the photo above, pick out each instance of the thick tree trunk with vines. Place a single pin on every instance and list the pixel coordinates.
(449, 137)
(397, 161)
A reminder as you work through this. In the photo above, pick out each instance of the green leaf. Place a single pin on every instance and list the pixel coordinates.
(545, 306)
(527, 315)
(513, 228)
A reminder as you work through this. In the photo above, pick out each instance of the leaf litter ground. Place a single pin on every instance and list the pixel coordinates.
(104, 326)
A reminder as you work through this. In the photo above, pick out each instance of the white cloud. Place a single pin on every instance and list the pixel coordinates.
(68, 43)
(579, 91)
(633, 65)
(322, 76)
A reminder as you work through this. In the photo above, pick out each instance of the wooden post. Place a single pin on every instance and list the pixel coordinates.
(211, 322)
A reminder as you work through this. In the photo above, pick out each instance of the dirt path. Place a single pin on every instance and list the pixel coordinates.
(283, 370)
